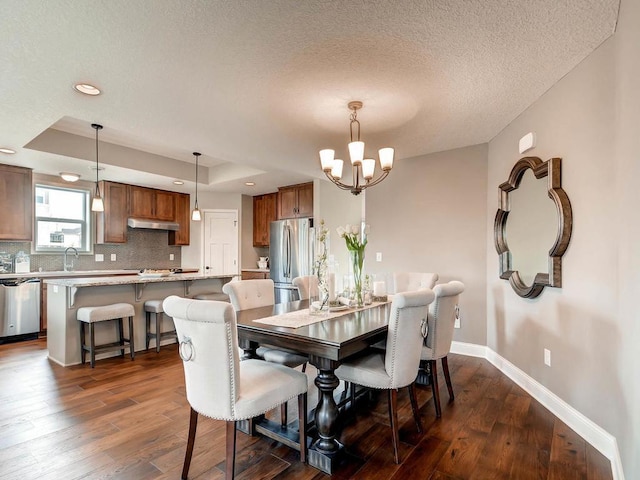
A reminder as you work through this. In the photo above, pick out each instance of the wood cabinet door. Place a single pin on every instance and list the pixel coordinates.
(112, 223)
(287, 202)
(183, 217)
(305, 200)
(142, 202)
(165, 205)
(264, 212)
(16, 197)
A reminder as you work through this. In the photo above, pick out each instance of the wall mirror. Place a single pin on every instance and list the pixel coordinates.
(533, 226)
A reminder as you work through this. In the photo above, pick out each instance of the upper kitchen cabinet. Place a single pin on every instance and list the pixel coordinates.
(183, 218)
(295, 201)
(16, 190)
(264, 212)
(112, 223)
(152, 204)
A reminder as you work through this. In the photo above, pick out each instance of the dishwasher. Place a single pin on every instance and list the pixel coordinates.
(19, 309)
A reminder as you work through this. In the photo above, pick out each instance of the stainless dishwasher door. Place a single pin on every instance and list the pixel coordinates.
(19, 308)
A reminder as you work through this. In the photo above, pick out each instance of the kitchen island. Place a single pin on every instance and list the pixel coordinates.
(66, 295)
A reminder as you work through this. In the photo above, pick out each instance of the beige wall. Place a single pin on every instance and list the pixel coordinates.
(429, 216)
(590, 119)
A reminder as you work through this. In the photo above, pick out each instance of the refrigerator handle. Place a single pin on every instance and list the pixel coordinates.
(284, 250)
(288, 251)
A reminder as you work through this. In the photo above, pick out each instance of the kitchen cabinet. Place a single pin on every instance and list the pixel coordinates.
(295, 201)
(112, 223)
(152, 204)
(183, 218)
(254, 275)
(16, 189)
(264, 212)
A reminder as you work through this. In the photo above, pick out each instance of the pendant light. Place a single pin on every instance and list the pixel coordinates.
(97, 205)
(195, 215)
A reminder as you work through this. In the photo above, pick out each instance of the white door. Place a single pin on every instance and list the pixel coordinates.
(221, 242)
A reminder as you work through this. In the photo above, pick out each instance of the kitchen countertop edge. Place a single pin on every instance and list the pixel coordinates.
(130, 279)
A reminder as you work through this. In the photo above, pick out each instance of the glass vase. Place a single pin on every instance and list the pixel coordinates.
(357, 261)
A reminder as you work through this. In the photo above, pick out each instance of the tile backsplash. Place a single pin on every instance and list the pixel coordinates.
(144, 249)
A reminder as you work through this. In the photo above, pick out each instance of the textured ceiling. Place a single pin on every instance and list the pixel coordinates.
(260, 86)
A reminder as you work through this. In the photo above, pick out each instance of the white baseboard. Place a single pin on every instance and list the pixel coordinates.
(595, 435)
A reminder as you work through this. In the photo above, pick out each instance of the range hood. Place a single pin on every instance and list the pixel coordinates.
(152, 224)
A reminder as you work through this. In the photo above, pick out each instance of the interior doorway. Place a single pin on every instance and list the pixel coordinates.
(220, 242)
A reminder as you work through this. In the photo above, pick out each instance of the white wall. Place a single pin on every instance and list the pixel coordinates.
(590, 119)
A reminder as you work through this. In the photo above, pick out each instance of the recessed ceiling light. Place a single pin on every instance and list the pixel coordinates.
(87, 89)
(178, 182)
(7, 150)
(70, 177)
(249, 184)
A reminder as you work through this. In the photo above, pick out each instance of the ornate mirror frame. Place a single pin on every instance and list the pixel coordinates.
(552, 170)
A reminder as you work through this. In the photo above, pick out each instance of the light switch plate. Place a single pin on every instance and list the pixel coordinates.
(99, 257)
(378, 256)
(547, 357)
(113, 257)
(172, 256)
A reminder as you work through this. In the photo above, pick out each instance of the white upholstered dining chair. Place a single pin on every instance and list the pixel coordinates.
(396, 366)
(306, 285)
(439, 334)
(218, 384)
(410, 281)
(246, 294)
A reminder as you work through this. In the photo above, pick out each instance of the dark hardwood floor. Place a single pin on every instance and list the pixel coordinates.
(129, 420)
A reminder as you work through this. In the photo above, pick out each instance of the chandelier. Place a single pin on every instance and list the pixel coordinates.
(363, 168)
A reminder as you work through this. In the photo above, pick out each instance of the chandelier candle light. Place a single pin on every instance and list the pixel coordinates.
(363, 168)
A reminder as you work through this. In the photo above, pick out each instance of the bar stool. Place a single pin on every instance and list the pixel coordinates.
(155, 307)
(92, 315)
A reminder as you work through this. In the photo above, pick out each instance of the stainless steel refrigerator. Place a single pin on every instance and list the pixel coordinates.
(290, 255)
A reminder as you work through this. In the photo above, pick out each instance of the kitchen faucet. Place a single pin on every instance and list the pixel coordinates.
(69, 267)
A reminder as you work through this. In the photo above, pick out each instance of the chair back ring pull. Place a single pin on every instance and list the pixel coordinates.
(186, 350)
(424, 327)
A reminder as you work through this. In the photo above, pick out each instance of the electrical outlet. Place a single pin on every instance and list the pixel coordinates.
(456, 323)
(99, 257)
(547, 357)
(172, 256)
(113, 257)
(378, 256)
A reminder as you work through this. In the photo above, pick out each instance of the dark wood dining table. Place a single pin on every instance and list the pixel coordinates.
(327, 343)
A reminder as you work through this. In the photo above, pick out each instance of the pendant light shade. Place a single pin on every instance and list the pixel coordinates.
(195, 215)
(97, 205)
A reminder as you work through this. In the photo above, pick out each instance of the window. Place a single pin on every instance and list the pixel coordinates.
(62, 219)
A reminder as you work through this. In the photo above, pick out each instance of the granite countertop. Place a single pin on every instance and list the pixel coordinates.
(73, 273)
(77, 273)
(260, 270)
(129, 279)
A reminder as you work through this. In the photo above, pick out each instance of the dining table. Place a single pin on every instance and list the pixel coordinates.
(327, 341)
